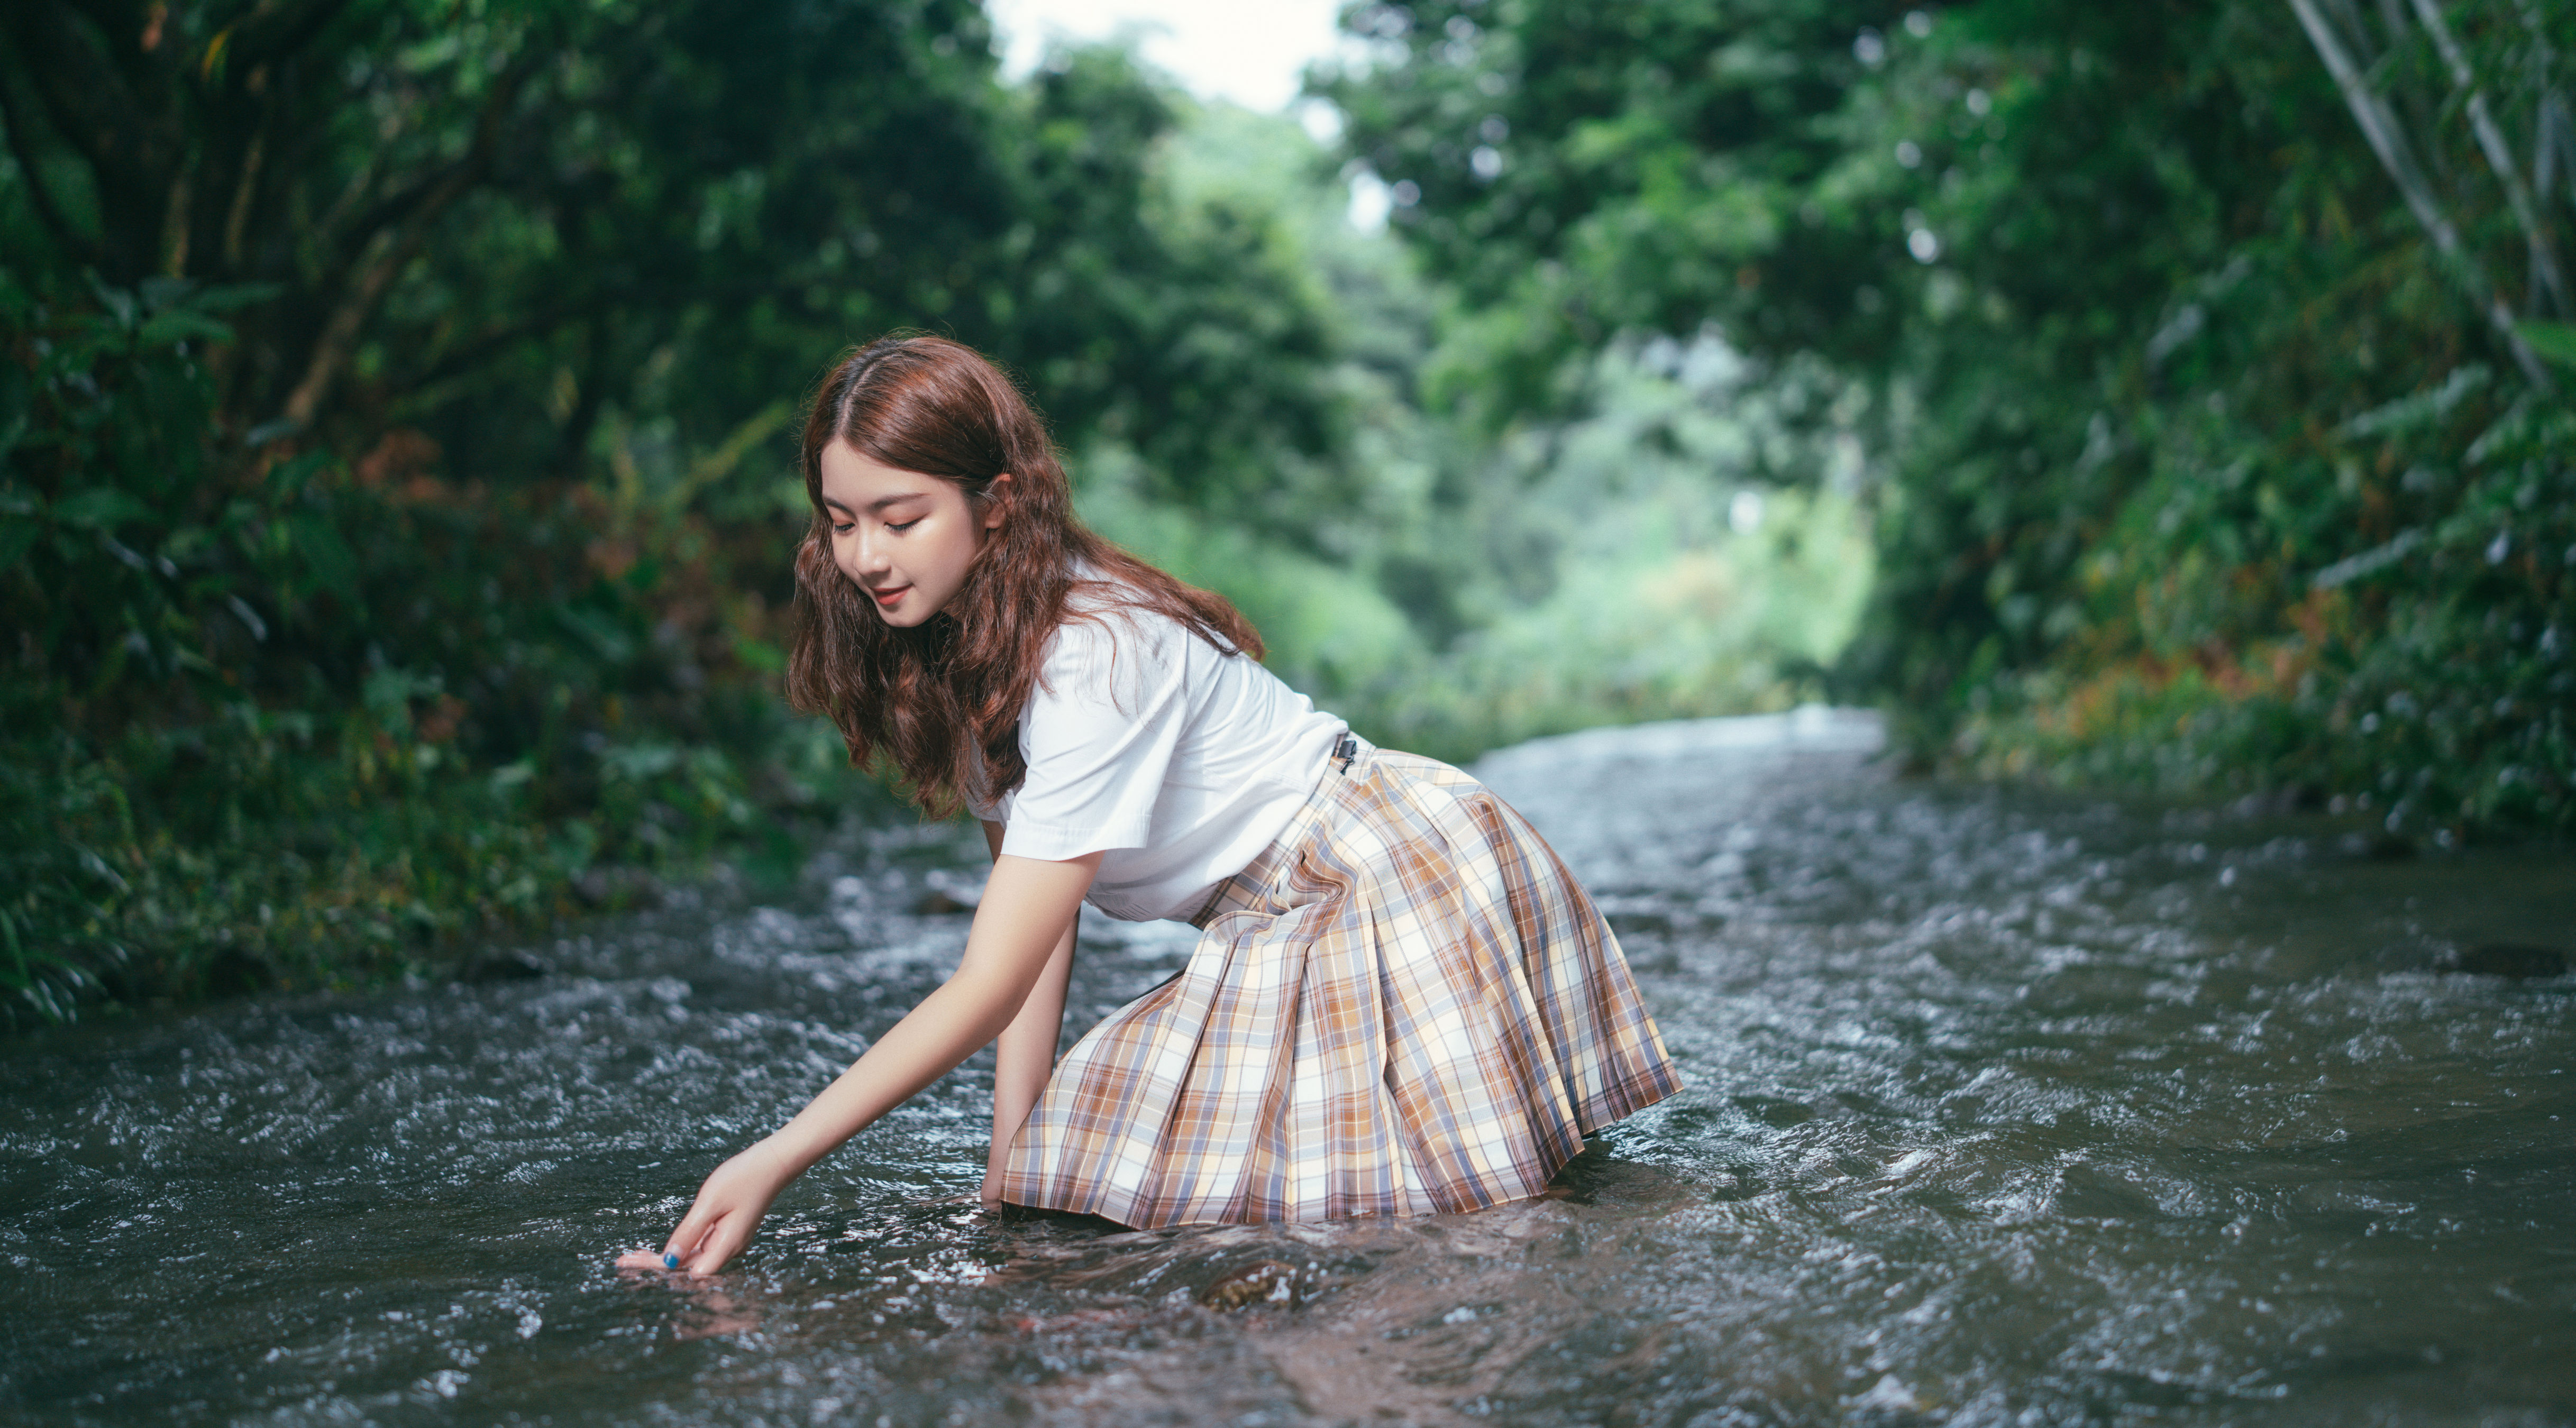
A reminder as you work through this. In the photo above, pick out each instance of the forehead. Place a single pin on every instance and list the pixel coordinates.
(856, 481)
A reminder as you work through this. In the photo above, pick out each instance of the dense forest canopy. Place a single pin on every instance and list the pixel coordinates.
(397, 401)
(2206, 347)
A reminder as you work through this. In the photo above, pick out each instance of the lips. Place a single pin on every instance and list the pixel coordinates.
(891, 594)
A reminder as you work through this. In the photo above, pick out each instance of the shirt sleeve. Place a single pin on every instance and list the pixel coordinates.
(1099, 735)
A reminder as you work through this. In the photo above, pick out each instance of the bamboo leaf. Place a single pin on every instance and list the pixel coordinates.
(100, 508)
(179, 324)
(2397, 156)
(318, 544)
(2553, 340)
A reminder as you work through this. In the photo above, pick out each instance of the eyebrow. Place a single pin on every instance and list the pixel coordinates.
(880, 503)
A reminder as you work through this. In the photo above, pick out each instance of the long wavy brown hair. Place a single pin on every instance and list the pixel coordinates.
(940, 702)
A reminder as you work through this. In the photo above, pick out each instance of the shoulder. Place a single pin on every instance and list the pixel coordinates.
(1105, 641)
(1101, 619)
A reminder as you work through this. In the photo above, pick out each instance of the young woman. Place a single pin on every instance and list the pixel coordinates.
(1400, 1001)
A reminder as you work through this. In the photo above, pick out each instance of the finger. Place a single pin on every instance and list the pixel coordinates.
(722, 1242)
(688, 1242)
(691, 1229)
(689, 1256)
(724, 1239)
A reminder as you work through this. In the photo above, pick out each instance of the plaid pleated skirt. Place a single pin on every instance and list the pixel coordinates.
(1405, 1006)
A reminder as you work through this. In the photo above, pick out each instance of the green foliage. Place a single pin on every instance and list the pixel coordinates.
(272, 719)
(399, 482)
(396, 463)
(2188, 441)
(2425, 679)
(1474, 590)
(1180, 323)
(1653, 558)
(1584, 170)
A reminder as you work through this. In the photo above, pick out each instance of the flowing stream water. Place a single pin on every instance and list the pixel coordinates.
(2001, 1107)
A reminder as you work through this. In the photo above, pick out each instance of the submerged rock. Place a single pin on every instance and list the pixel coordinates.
(1267, 1282)
(236, 973)
(501, 967)
(2516, 960)
(618, 888)
(2377, 847)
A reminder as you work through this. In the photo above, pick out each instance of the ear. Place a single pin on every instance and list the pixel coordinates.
(997, 501)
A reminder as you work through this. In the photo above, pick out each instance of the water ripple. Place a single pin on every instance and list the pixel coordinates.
(2002, 1107)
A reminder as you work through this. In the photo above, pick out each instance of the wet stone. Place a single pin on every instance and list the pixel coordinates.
(2514, 960)
(235, 973)
(1268, 1282)
(501, 967)
(618, 888)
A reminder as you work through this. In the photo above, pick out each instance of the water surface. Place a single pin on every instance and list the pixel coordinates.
(2002, 1108)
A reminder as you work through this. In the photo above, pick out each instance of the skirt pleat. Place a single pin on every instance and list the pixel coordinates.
(1405, 1006)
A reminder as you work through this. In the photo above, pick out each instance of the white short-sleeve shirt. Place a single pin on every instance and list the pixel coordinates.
(1144, 742)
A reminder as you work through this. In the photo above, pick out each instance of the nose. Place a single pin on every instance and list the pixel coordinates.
(861, 556)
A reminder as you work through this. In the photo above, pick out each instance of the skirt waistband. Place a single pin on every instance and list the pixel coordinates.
(1352, 758)
(1350, 751)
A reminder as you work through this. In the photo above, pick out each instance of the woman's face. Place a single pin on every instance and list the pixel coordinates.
(903, 538)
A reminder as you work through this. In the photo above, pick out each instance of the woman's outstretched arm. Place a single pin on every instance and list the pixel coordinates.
(1024, 1054)
(1027, 911)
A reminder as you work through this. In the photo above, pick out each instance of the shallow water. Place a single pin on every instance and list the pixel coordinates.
(2001, 1108)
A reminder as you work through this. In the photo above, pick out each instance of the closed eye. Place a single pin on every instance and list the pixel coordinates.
(899, 527)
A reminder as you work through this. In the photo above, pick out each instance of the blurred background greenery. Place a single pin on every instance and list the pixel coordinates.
(398, 397)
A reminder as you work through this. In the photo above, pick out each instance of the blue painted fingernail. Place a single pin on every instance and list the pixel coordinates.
(670, 1261)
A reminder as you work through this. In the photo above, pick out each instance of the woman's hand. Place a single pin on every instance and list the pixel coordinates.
(729, 1208)
(1027, 912)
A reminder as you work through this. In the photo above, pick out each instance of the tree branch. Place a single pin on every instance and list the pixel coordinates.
(237, 217)
(2544, 263)
(2556, 149)
(2389, 143)
(574, 439)
(470, 354)
(2559, 136)
(339, 336)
